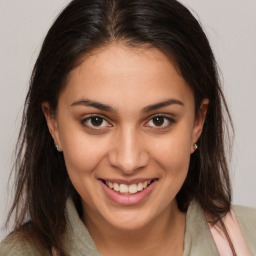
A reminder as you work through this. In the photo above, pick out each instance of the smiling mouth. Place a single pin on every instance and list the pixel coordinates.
(125, 189)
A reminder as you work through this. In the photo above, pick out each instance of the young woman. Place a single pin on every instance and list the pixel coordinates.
(121, 149)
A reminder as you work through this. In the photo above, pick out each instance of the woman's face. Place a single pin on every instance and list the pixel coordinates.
(126, 125)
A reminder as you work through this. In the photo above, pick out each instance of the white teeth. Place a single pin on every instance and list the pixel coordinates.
(125, 189)
(140, 186)
(133, 189)
(116, 187)
(109, 184)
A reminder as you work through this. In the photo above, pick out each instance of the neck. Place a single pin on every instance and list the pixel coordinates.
(163, 234)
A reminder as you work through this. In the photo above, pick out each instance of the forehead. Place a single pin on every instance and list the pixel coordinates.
(134, 75)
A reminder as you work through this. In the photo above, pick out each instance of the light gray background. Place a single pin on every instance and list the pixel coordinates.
(231, 29)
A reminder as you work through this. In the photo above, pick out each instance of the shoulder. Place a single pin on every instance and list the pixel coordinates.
(16, 244)
(246, 217)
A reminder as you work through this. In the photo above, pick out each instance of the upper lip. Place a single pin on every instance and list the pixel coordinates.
(128, 182)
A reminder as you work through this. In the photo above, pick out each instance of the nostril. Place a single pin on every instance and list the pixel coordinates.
(128, 162)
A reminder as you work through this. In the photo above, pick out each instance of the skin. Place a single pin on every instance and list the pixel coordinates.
(128, 144)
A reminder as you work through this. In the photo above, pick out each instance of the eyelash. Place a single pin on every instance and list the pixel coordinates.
(90, 117)
(169, 119)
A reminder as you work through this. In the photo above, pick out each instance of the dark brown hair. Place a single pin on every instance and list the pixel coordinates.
(42, 183)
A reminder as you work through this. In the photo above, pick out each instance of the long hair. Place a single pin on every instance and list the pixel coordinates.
(42, 183)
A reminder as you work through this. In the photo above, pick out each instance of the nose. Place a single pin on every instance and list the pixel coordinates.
(128, 152)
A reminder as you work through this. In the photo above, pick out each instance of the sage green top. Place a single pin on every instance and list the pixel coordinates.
(198, 238)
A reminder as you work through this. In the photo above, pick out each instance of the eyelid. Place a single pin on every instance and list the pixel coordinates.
(89, 116)
(168, 117)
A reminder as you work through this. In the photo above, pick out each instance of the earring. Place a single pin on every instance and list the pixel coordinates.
(195, 146)
(57, 147)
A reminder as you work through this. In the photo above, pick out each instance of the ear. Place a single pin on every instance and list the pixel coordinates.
(52, 124)
(199, 122)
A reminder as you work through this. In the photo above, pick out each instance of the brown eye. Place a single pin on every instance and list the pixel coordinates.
(158, 120)
(96, 121)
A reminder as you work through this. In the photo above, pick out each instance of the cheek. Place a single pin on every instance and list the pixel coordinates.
(82, 156)
(171, 157)
(173, 151)
(82, 152)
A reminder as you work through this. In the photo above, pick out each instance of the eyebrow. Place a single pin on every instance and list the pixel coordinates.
(94, 104)
(161, 105)
(107, 108)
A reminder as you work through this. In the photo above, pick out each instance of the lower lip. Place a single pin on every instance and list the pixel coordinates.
(130, 199)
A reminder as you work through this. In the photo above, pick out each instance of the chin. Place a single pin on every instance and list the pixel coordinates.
(130, 219)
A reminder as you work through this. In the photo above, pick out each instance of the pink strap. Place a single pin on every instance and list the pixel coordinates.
(235, 234)
(54, 252)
